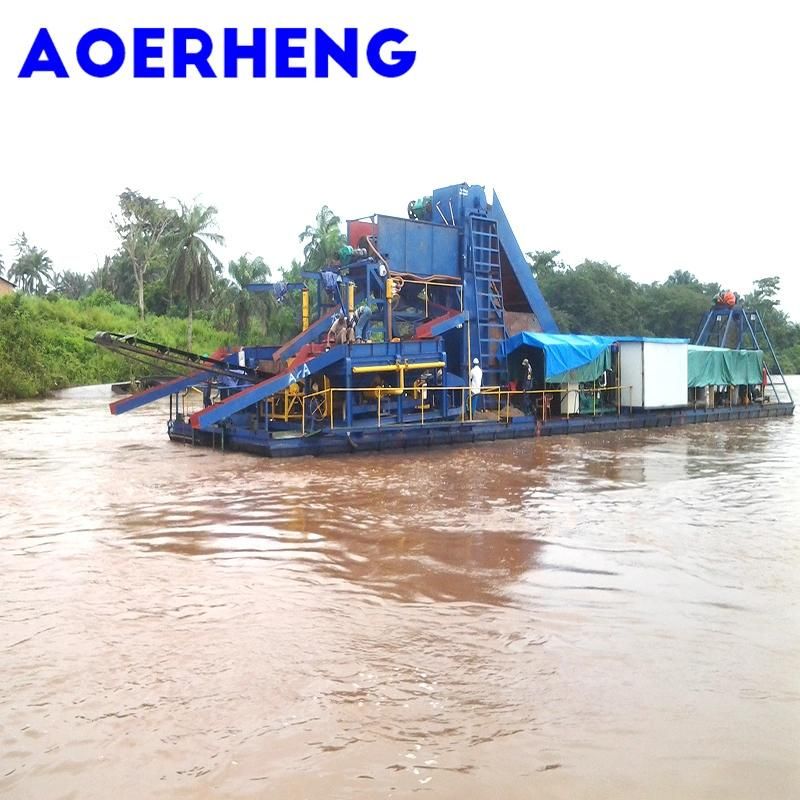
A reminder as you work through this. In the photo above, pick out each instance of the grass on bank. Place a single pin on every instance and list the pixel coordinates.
(43, 346)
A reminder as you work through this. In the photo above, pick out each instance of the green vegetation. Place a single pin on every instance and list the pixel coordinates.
(596, 297)
(142, 224)
(43, 341)
(322, 240)
(32, 269)
(193, 265)
(164, 283)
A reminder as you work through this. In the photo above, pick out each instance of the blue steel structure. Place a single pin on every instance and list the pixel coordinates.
(739, 328)
(445, 286)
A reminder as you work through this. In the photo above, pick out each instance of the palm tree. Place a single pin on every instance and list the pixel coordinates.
(100, 277)
(323, 239)
(245, 271)
(193, 262)
(222, 298)
(73, 285)
(32, 269)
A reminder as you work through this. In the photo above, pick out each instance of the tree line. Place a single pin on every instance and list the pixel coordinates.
(596, 297)
(166, 264)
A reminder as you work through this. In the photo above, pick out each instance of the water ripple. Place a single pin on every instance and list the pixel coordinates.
(503, 620)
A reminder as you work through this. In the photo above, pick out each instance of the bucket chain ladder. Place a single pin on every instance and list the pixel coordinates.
(485, 245)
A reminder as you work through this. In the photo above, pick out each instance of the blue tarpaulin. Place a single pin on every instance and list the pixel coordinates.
(566, 352)
(562, 351)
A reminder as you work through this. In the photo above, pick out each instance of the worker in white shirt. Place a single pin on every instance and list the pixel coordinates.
(475, 379)
(338, 332)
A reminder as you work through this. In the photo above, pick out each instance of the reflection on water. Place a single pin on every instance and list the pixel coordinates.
(611, 615)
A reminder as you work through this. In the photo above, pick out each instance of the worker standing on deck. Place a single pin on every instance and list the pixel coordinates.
(475, 379)
(527, 385)
(207, 393)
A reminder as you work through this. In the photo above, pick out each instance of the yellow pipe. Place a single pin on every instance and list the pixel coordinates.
(351, 298)
(398, 367)
(401, 368)
(306, 315)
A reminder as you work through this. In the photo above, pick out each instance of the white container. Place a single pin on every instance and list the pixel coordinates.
(570, 400)
(657, 372)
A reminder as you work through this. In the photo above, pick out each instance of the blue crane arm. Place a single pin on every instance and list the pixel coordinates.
(521, 268)
(311, 334)
(253, 394)
(170, 387)
(158, 392)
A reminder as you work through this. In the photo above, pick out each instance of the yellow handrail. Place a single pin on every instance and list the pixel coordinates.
(500, 395)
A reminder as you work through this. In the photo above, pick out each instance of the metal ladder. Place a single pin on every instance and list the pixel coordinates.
(485, 247)
(776, 381)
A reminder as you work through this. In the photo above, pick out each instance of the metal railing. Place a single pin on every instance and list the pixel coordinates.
(328, 407)
(322, 405)
(191, 400)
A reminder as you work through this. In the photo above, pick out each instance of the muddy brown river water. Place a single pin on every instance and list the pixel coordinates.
(603, 616)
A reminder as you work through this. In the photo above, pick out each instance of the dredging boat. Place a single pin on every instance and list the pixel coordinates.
(431, 330)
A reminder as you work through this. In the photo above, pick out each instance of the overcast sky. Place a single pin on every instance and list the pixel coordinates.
(655, 136)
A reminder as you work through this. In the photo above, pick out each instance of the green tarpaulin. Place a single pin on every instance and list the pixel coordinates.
(585, 373)
(718, 366)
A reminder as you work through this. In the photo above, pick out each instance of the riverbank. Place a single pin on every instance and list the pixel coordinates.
(43, 343)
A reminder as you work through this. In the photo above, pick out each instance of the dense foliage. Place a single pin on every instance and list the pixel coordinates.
(43, 342)
(164, 283)
(595, 297)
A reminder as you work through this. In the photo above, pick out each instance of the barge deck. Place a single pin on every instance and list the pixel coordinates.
(402, 437)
